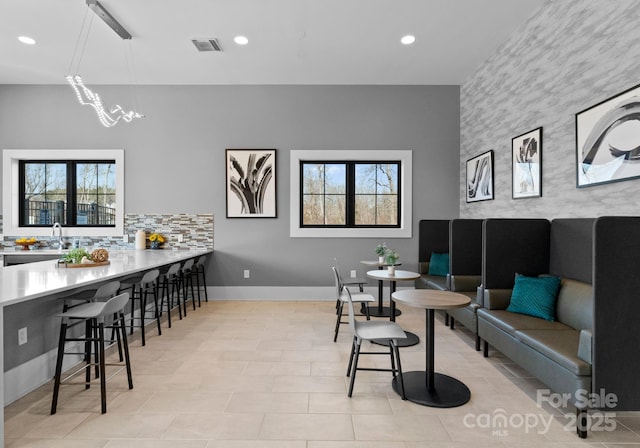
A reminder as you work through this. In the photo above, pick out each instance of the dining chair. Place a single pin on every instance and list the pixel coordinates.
(367, 331)
(362, 298)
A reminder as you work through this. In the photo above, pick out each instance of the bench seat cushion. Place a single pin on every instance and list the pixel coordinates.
(427, 281)
(560, 346)
(436, 282)
(511, 322)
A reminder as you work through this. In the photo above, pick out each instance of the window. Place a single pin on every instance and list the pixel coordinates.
(350, 194)
(72, 193)
(80, 189)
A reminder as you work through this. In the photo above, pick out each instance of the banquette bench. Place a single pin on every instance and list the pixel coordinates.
(591, 345)
(538, 302)
(459, 243)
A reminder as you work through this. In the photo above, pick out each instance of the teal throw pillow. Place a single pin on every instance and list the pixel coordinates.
(535, 296)
(439, 264)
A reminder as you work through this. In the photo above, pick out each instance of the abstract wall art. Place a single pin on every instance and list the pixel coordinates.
(608, 140)
(526, 160)
(480, 177)
(251, 183)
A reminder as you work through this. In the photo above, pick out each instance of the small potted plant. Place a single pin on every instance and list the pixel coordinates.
(391, 257)
(156, 240)
(380, 250)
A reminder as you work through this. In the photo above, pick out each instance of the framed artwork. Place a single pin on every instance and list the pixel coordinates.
(480, 177)
(251, 183)
(608, 140)
(526, 161)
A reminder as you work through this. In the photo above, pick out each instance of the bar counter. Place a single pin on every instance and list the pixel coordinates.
(36, 282)
(29, 281)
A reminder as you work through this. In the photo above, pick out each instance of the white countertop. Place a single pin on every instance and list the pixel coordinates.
(33, 280)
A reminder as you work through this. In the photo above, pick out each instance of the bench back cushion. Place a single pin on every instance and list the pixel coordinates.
(575, 304)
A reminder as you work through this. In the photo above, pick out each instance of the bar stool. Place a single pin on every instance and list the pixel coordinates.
(101, 294)
(200, 270)
(96, 314)
(186, 279)
(169, 285)
(141, 288)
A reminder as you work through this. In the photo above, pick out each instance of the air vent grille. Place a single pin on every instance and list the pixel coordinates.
(207, 44)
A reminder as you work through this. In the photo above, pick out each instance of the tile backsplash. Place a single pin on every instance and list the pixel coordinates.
(195, 231)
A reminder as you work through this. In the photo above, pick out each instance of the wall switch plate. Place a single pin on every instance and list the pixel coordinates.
(22, 336)
(247, 273)
(353, 274)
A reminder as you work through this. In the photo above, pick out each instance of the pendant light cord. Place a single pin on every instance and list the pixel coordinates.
(84, 30)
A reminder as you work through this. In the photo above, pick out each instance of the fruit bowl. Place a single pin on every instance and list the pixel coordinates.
(25, 244)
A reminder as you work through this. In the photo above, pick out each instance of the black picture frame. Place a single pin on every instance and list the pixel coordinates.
(608, 140)
(479, 178)
(251, 183)
(526, 165)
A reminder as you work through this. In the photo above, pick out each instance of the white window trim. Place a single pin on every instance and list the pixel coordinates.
(11, 181)
(404, 231)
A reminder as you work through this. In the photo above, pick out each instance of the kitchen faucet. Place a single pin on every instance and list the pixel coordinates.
(57, 225)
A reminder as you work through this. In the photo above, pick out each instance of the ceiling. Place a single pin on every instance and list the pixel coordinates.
(290, 41)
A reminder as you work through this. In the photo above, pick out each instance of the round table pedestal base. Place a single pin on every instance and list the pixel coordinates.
(412, 339)
(376, 311)
(448, 392)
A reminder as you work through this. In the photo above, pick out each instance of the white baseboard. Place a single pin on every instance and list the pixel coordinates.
(284, 293)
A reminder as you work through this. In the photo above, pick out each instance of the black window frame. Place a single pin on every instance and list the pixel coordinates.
(351, 195)
(71, 214)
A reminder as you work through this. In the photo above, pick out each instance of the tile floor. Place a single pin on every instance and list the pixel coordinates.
(267, 375)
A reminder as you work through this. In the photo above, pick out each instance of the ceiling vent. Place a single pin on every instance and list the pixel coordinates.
(207, 44)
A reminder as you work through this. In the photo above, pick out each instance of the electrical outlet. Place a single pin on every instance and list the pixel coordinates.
(22, 336)
(125, 238)
(247, 273)
(353, 274)
(180, 238)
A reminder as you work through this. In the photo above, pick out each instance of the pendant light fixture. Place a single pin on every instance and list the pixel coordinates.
(86, 96)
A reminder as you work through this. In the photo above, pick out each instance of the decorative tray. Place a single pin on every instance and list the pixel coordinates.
(84, 265)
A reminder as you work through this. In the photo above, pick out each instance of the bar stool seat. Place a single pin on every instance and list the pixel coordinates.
(97, 315)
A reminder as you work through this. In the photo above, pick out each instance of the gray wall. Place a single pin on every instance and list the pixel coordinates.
(175, 158)
(569, 56)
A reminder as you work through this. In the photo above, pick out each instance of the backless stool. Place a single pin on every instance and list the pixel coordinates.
(99, 315)
(141, 288)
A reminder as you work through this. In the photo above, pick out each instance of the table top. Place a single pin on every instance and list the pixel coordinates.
(29, 281)
(384, 274)
(432, 299)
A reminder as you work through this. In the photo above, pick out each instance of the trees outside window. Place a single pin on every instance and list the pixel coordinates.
(350, 194)
(71, 192)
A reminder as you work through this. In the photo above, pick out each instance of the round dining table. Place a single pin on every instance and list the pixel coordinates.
(380, 310)
(392, 278)
(429, 388)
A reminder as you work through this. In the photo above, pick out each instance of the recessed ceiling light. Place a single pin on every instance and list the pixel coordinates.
(27, 40)
(241, 40)
(408, 39)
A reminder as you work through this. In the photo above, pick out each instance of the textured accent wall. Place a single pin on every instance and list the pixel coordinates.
(569, 56)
